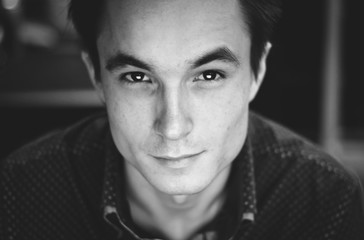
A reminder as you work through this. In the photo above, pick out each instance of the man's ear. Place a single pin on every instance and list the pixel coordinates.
(255, 85)
(91, 72)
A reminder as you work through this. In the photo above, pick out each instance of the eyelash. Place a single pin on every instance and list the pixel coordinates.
(219, 76)
(124, 78)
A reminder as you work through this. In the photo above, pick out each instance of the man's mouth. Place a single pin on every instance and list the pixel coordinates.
(180, 161)
(176, 158)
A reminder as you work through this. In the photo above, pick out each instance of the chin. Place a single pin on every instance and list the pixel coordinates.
(182, 185)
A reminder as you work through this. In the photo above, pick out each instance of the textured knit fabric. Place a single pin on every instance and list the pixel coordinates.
(70, 185)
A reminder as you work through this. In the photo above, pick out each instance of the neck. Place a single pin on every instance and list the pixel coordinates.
(173, 216)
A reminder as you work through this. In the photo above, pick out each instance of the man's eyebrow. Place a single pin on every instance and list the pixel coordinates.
(222, 54)
(120, 60)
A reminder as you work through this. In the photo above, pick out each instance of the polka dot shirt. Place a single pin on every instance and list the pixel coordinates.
(70, 185)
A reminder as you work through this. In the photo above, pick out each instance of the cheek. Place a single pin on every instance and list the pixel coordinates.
(227, 119)
(228, 109)
(129, 119)
(234, 122)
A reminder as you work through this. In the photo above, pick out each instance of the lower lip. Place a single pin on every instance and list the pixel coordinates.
(179, 162)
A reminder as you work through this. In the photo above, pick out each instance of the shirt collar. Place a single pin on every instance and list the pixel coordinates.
(116, 208)
(244, 164)
(112, 175)
(114, 205)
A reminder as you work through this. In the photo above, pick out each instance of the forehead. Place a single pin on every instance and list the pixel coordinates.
(178, 10)
(176, 25)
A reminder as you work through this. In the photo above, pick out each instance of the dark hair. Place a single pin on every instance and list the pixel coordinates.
(260, 16)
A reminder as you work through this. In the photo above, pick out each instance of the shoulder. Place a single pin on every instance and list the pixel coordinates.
(300, 189)
(55, 180)
(285, 156)
(58, 148)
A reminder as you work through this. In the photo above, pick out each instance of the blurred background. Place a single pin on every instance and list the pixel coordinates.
(313, 83)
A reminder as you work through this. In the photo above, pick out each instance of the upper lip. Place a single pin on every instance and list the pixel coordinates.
(167, 157)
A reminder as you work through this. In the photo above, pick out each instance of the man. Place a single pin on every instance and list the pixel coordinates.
(178, 156)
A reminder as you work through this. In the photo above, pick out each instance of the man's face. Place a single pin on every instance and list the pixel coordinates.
(176, 80)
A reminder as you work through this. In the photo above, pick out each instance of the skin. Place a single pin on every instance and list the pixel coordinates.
(178, 117)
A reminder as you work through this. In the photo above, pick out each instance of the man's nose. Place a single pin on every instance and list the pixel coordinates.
(173, 120)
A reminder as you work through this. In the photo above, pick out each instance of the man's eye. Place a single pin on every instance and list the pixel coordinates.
(209, 76)
(135, 77)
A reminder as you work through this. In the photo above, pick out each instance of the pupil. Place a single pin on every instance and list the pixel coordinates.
(209, 75)
(137, 76)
